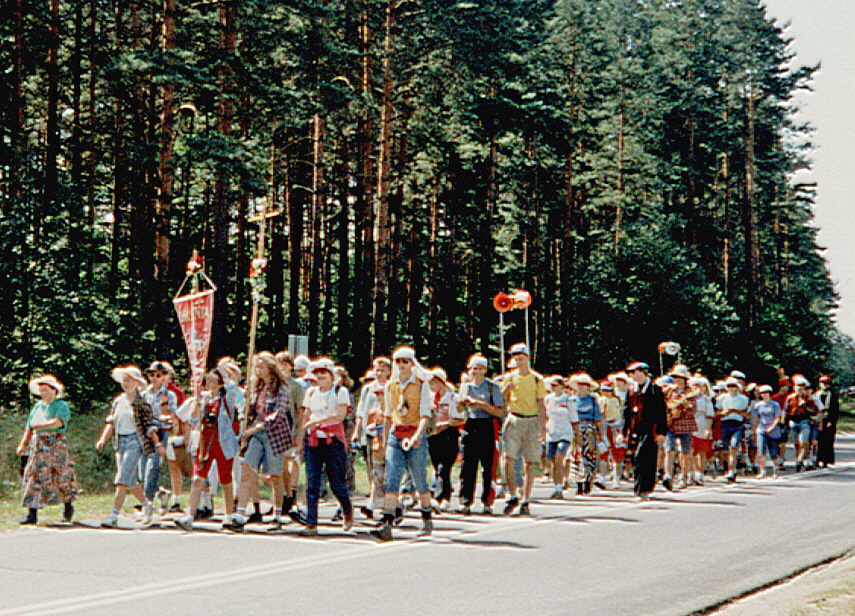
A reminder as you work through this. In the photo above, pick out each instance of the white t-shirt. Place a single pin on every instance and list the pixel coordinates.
(446, 409)
(324, 405)
(561, 415)
(729, 404)
(704, 413)
(123, 417)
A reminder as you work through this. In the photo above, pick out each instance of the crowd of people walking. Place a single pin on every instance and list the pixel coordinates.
(627, 428)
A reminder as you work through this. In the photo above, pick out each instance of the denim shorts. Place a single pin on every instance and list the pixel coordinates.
(767, 445)
(128, 456)
(559, 447)
(685, 442)
(800, 431)
(397, 460)
(731, 434)
(259, 455)
(814, 432)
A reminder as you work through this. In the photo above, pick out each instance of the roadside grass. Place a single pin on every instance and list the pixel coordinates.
(95, 471)
(846, 423)
(836, 601)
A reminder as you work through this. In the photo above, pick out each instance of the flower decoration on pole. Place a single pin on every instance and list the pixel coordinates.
(503, 302)
(257, 279)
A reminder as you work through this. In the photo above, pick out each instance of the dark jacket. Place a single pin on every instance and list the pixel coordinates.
(645, 413)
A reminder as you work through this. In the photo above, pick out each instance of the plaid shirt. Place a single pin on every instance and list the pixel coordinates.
(276, 422)
(143, 421)
(681, 411)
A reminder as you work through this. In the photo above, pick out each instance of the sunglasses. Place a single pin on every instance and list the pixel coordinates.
(403, 361)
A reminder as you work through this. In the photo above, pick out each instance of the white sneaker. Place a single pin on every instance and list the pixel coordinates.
(681, 483)
(185, 522)
(111, 521)
(148, 512)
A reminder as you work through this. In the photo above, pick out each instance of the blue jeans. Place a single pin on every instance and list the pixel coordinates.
(800, 431)
(330, 454)
(151, 474)
(397, 460)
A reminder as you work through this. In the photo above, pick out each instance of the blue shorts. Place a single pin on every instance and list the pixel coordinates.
(685, 442)
(128, 455)
(800, 431)
(731, 434)
(259, 455)
(767, 445)
(397, 460)
(559, 447)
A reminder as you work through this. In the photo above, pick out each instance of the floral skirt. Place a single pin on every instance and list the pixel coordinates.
(49, 477)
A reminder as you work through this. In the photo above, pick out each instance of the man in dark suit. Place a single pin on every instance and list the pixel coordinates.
(645, 426)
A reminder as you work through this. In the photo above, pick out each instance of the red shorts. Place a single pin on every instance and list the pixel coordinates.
(224, 467)
(616, 453)
(701, 445)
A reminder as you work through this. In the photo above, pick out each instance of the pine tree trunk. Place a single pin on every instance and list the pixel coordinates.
(163, 207)
(748, 213)
(219, 256)
(316, 266)
(52, 137)
(343, 229)
(382, 330)
(16, 106)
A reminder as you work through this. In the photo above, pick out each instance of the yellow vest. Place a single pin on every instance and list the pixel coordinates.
(410, 415)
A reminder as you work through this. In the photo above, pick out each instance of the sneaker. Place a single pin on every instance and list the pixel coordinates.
(731, 477)
(338, 516)
(347, 523)
(185, 522)
(615, 484)
(580, 489)
(798, 467)
(761, 475)
(681, 483)
(383, 532)
(444, 506)
(204, 513)
(667, 484)
(524, 509)
(426, 529)
(111, 521)
(148, 513)
(487, 510)
(176, 508)
(368, 512)
(309, 531)
(699, 478)
(600, 484)
(275, 524)
(297, 516)
(586, 487)
(465, 510)
(511, 505)
(255, 518)
(30, 520)
(557, 495)
(236, 523)
(399, 516)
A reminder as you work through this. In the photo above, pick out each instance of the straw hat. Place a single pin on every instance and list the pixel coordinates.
(582, 379)
(121, 372)
(680, 371)
(49, 380)
(440, 374)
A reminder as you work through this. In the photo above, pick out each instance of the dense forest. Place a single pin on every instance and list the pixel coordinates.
(628, 162)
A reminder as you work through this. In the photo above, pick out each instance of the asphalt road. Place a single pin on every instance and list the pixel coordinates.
(677, 554)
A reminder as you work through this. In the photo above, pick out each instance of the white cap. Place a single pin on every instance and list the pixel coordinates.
(477, 360)
(301, 362)
(323, 363)
(738, 375)
(519, 348)
(732, 381)
(764, 389)
(799, 379)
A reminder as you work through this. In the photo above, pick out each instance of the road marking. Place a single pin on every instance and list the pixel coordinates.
(146, 591)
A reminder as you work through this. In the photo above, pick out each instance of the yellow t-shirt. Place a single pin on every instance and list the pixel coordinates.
(610, 408)
(526, 391)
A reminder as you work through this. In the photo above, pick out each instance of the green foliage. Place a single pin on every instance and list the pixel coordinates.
(595, 152)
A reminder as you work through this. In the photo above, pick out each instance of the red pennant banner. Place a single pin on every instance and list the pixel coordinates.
(196, 315)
